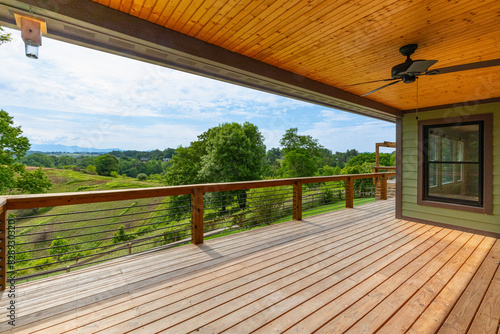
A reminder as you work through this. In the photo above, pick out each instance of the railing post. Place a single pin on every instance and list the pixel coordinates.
(3, 247)
(349, 193)
(297, 200)
(197, 216)
(383, 187)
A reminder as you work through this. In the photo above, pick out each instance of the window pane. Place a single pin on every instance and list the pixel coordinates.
(447, 173)
(454, 181)
(453, 143)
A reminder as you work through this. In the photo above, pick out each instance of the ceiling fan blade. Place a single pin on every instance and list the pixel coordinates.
(465, 67)
(366, 82)
(420, 66)
(389, 84)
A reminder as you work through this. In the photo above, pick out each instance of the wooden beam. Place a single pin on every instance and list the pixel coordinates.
(399, 168)
(95, 26)
(349, 193)
(3, 245)
(466, 104)
(383, 188)
(297, 200)
(197, 216)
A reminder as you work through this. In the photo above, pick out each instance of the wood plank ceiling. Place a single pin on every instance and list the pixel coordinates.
(343, 42)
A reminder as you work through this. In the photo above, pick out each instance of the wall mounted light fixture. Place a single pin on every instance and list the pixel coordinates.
(31, 33)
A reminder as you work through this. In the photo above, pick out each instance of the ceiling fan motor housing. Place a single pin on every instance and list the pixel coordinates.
(399, 71)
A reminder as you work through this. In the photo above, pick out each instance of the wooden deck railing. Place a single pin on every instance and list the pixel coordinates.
(196, 192)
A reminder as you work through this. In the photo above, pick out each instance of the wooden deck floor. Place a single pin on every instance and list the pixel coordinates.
(355, 271)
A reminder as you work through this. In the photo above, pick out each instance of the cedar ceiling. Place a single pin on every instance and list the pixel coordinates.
(307, 50)
(344, 42)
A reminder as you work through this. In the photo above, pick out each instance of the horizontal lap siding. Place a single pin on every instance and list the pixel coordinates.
(490, 223)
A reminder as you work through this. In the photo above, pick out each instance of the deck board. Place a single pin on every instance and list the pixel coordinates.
(356, 270)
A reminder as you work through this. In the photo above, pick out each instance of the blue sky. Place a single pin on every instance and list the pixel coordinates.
(77, 96)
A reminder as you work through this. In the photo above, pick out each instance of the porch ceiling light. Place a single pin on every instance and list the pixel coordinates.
(31, 33)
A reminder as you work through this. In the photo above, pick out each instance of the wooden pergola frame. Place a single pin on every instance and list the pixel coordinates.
(377, 153)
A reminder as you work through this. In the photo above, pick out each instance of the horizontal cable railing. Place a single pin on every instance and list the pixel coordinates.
(55, 233)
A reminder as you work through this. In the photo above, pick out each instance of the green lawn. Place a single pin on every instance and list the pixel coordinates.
(306, 213)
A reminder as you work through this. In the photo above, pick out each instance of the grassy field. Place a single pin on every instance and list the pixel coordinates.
(67, 180)
(97, 232)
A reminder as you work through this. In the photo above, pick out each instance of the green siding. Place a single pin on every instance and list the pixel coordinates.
(410, 208)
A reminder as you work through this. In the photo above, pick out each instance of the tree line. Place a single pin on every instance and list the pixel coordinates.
(226, 153)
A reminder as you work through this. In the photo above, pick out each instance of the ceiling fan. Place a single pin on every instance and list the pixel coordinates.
(410, 70)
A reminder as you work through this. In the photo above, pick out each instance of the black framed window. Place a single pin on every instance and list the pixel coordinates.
(453, 163)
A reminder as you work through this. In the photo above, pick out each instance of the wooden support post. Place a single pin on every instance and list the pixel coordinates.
(383, 187)
(3, 245)
(297, 200)
(197, 216)
(349, 193)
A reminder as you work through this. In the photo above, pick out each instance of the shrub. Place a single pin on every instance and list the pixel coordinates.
(267, 206)
(143, 230)
(43, 263)
(72, 256)
(142, 177)
(120, 235)
(114, 174)
(328, 193)
(59, 246)
(91, 170)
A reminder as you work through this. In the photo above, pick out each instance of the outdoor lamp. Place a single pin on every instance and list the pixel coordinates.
(31, 33)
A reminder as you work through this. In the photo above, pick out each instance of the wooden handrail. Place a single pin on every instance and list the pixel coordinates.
(15, 202)
(375, 168)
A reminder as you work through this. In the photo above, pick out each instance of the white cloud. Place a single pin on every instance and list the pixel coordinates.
(69, 78)
(330, 115)
(361, 136)
(77, 96)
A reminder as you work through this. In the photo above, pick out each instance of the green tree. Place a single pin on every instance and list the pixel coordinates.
(83, 161)
(65, 161)
(185, 165)
(13, 147)
(38, 160)
(4, 37)
(272, 155)
(59, 246)
(91, 170)
(298, 163)
(105, 164)
(34, 182)
(142, 177)
(234, 152)
(301, 154)
(358, 160)
(226, 153)
(121, 235)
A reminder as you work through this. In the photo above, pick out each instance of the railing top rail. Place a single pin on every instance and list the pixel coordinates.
(384, 167)
(14, 202)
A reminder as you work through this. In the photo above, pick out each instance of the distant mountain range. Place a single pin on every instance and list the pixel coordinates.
(69, 149)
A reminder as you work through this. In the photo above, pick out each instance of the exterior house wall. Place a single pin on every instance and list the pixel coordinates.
(410, 208)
